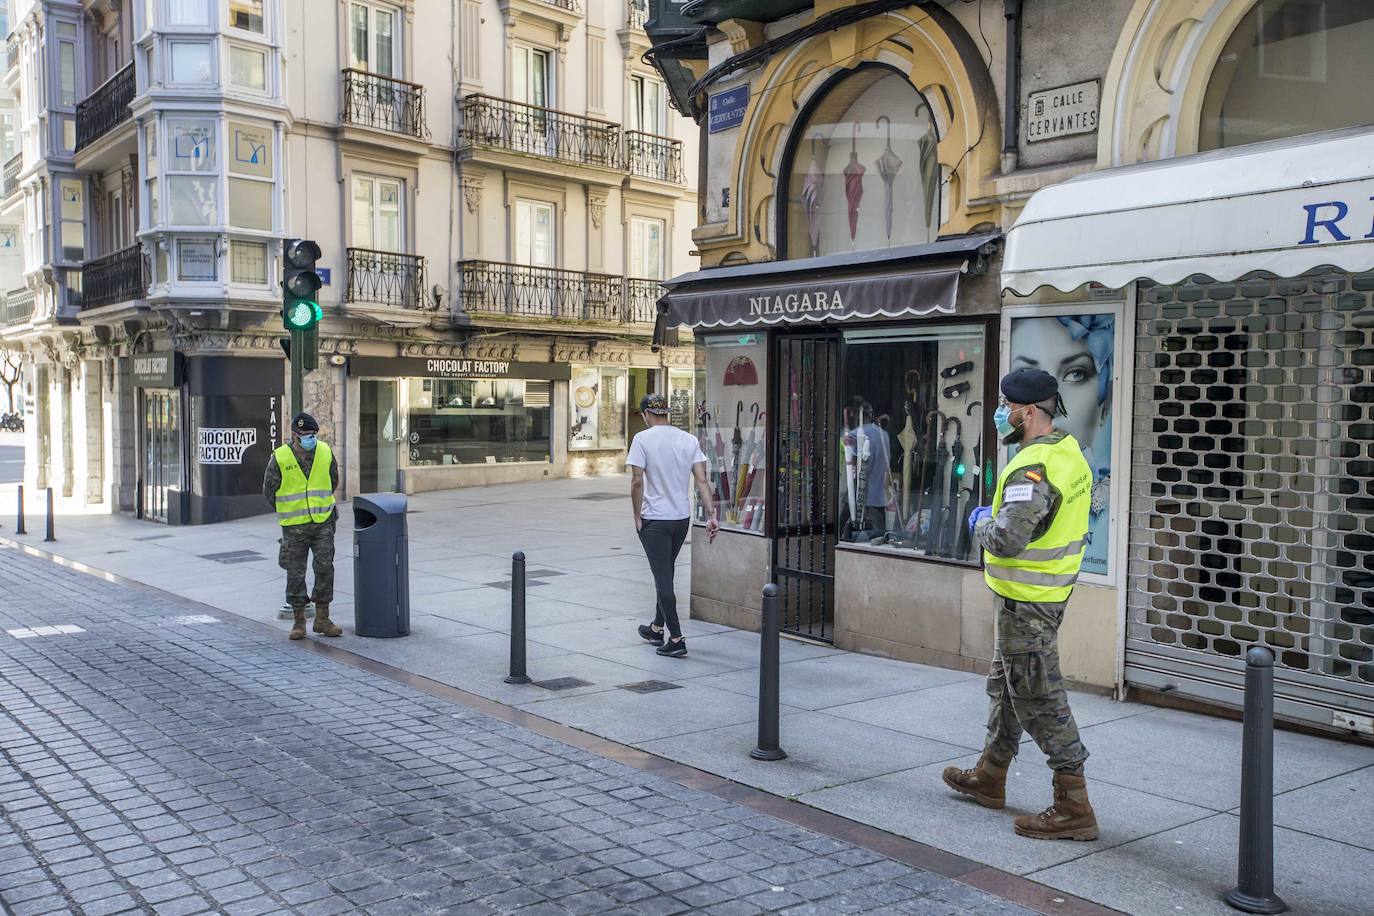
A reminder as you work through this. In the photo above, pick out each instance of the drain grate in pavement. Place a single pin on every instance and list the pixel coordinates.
(504, 584)
(153, 537)
(600, 497)
(542, 573)
(649, 686)
(563, 683)
(233, 556)
(192, 619)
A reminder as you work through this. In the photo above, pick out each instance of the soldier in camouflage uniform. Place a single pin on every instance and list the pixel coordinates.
(303, 497)
(1033, 537)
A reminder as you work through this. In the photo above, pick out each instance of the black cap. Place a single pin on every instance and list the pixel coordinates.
(1031, 386)
(304, 423)
(655, 404)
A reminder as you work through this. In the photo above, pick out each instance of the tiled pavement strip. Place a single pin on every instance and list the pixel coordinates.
(157, 762)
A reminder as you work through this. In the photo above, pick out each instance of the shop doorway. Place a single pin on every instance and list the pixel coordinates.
(642, 382)
(381, 432)
(805, 433)
(162, 459)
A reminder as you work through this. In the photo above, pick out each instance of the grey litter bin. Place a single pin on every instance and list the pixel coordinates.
(381, 565)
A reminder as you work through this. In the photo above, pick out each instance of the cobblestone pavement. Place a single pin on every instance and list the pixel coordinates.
(160, 760)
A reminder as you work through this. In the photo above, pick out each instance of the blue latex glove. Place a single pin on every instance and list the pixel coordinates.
(977, 515)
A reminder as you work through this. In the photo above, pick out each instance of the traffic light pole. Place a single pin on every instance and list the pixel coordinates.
(297, 372)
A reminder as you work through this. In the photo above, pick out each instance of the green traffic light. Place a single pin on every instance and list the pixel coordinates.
(959, 469)
(302, 314)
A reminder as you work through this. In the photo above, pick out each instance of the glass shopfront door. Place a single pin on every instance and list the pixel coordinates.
(162, 457)
(381, 432)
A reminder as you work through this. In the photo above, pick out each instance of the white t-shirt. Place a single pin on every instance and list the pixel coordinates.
(666, 454)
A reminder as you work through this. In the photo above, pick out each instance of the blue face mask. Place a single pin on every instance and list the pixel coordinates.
(1007, 432)
(308, 443)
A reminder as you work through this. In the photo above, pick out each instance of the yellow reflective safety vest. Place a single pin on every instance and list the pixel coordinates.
(299, 500)
(1046, 570)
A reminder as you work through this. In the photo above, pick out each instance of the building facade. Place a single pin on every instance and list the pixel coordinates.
(497, 187)
(1165, 202)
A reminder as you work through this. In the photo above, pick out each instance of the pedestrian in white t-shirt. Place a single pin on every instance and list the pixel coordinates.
(664, 461)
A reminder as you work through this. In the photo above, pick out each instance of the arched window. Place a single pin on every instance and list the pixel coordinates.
(861, 172)
(1292, 67)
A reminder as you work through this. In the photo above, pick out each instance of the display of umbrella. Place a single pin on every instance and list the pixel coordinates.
(850, 455)
(854, 182)
(811, 198)
(723, 478)
(930, 169)
(862, 447)
(908, 438)
(744, 477)
(949, 531)
(889, 164)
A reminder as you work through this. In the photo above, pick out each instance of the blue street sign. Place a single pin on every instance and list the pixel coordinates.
(727, 108)
(324, 273)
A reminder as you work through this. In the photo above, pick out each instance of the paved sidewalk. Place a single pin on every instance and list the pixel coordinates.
(171, 763)
(867, 737)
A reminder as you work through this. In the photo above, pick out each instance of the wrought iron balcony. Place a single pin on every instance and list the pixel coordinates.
(637, 13)
(571, 6)
(521, 291)
(641, 300)
(389, 278)
(18, 306)
(503, 124)
(117, 277)
(384, 103)
(11, 176)
(652, 156)
(106, 108)
(12, 52)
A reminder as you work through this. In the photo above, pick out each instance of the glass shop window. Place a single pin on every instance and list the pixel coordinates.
(478, 421)
(599, 407)
(911, 433)
(864, 173)
(1291, 67)
(731, 425)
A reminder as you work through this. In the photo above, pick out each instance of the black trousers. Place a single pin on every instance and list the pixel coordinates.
(662, 540)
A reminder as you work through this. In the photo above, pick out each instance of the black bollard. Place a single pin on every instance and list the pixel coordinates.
(768, 748)
(50, 535)
(1254, 891)
(517, 620)
(19, 528)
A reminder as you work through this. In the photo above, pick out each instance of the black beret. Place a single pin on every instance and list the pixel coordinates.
(1029, 386)
(304, 423)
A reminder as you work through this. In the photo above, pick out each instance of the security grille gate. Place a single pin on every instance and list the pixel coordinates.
(1252, 510)
(805, 377)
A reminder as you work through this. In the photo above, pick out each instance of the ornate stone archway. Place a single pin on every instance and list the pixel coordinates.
(1153, 93)
(940, 61)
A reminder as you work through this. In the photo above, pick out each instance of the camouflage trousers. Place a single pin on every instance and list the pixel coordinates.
(298, 542)
(1026, 689)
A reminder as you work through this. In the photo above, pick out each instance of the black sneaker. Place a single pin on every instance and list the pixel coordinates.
(673, 649)
(652, 635)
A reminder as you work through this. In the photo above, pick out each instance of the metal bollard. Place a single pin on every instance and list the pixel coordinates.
(19, 528)
(768, 748)
(517, 620)
(50, 535)
(1254, 891)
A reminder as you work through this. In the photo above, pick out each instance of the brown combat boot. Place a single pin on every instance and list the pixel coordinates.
(298, 628)
(322, 622)
(1069, 818)
(986, 783)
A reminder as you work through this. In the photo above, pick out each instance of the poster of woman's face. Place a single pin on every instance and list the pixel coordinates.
(1078, 351)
